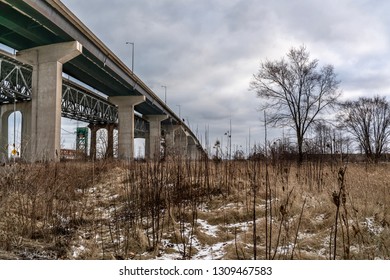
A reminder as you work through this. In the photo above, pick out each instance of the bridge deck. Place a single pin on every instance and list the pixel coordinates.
(25, 24)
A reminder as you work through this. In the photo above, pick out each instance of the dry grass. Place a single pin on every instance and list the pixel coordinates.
(194, 210)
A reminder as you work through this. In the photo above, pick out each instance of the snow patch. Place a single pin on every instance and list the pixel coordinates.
(207, 228)
(372, 227)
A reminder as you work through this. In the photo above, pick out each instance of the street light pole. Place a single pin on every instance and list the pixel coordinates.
(179, 111)
(132, 55)
(165, 94)
(229, 141)
(230, 136)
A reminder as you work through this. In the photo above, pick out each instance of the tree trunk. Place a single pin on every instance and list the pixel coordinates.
(300, 149)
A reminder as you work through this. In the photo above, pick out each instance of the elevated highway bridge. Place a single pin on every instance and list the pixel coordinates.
(51, 41)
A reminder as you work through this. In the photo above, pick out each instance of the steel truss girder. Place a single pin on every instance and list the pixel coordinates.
(84, 105)
(141, 127)
(15, 81)
(77, 102)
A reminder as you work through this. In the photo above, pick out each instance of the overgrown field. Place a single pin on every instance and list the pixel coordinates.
(195, 210)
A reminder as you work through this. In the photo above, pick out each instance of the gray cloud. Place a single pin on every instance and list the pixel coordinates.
(206, 51)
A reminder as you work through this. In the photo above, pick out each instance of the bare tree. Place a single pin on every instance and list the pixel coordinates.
(101, 143)
(368, 120)
(323, 138)
(295, 92)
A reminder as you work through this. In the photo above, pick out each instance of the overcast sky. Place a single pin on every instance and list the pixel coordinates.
(206, 51)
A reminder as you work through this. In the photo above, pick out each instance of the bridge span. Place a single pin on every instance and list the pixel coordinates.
(50, 41)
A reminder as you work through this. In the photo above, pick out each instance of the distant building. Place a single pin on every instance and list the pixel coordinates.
(70, 154)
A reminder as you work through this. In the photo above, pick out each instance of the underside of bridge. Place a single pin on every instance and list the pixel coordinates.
(49, 42)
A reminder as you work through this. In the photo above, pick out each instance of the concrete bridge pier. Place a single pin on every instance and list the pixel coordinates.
(44, 120)
(169, 132)
(92, 148)
(153, 139)
(180, 143)
(126, 124)
(4, 114)
(192, 149)
(109, 153)
(110, 140)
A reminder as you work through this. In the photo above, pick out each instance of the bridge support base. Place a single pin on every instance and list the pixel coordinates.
(4, 114)
(109, 153)
(126, 124)
(45, 119)
(153, 140)
(175, 141)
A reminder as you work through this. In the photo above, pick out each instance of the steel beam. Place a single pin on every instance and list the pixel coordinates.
(77, 102)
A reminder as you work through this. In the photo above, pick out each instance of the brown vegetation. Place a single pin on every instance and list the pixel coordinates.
(194, 210)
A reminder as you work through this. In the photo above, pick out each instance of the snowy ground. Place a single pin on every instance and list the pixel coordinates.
(221, 228)
(169, 250)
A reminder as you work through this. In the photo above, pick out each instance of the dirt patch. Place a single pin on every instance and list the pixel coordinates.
(193, 210)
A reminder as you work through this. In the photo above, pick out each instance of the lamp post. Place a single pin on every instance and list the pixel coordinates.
(165, 94)
(132, 55)
(179, 111)
(229, 139)
(229, 144)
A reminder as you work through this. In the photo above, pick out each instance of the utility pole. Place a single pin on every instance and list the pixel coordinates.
(165, 94)
(229, 139)
(132, 55)
(179, 111)
(230, 148)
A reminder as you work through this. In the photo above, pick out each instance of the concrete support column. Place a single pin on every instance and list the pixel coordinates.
(4, 114)
(153, 140)
(126, 124)
(170, 131)
(109, 153)
(92, 149)
(169, 134)
(45, 117)
(192, 149)
(181, 142)
(25, 109)
(110, 141)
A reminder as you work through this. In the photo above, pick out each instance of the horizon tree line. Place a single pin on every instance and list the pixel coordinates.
(297, 93)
